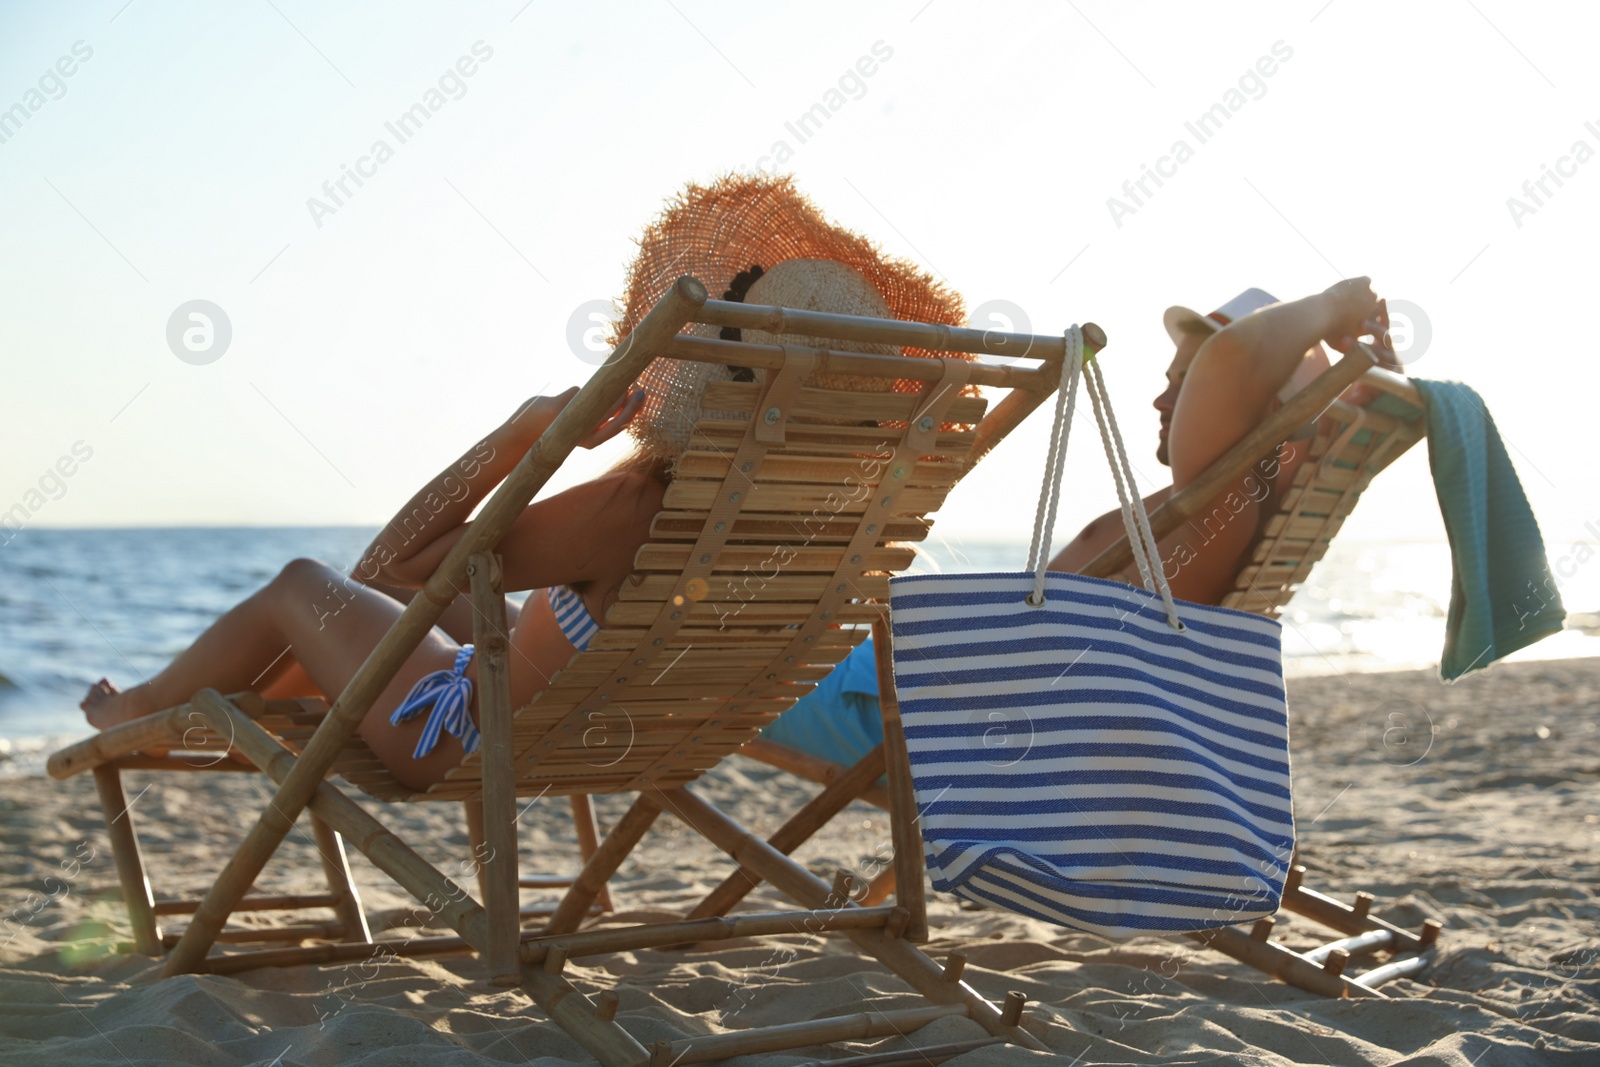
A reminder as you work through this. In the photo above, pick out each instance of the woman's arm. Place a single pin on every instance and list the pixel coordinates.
(443, 505)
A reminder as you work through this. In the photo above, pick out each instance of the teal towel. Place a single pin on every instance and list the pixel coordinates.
(1502, 596)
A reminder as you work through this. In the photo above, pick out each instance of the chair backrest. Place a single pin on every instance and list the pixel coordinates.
(772, 551)
(1352, 446)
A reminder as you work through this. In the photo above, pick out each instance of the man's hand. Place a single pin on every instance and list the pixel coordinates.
(1353, 310)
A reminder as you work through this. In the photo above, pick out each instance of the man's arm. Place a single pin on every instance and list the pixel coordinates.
(1238, 371)
(1227, 392)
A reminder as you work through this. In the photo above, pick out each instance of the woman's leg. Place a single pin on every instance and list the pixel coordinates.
(291, 621)
(457, 620)
(288, 679)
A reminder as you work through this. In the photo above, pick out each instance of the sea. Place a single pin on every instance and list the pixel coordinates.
(78, 605)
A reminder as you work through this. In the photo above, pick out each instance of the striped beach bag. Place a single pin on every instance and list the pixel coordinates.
(1090, 753)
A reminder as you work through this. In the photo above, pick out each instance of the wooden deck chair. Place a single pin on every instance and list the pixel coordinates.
(830, 480)
(1351, 446)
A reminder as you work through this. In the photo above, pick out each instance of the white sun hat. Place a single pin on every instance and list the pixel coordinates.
(1241, 305)
(1250, 300)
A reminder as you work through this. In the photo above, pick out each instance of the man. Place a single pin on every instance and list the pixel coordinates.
(1229, 371)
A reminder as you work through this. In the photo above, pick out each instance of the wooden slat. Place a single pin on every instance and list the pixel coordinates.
(667, 689)
(552, 786)
(1293, 525)
(755, 586)
(1328, 476)
(826, 501)
(628, 613)
(744, 655)
(545, 710)
(840, 405)
(927, 337)
(831, 471)
(827, 438)
(730, 636)
(1287, 549)
(707, 679)
(827, 559)
(783, 528)
(1314, 501)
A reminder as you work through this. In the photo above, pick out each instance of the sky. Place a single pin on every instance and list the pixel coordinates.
(374, 336)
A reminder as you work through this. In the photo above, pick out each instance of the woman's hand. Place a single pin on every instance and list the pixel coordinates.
(616, 420)
(534, 417)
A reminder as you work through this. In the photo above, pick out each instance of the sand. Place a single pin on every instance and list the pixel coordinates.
(1478, 804)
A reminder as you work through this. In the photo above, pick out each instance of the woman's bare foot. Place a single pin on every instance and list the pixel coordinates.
(106, 706)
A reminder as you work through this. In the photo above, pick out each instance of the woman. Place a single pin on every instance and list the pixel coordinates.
(311, 624)
(310, 628)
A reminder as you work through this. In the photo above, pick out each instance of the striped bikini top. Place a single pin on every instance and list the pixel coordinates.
(572, 615)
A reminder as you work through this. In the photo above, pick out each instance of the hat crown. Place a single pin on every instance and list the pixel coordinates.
(1242, 305)
(818, 285)
(713, 233)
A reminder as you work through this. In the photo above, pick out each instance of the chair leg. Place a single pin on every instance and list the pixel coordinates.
(444, 899)
(602, 865)
(794, 833)
(880, 889)
(910, 892)
(588, 830)
(336, 868)
(596, 1030)
(473, 809)
(130, 867)
(497, 862)
(809, 891)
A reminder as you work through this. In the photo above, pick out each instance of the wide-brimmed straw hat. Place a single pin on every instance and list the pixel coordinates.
(717, 233)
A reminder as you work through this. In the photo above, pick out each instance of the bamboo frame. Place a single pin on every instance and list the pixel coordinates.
(472, 808)
(345, 901)
(280, 902)
(797, 830)
(498, 867)
(930, 336)
(811, 768)
(130, 866)
(1282, 963)
(602, 1037)
(1232, 465)
(923, 1056)
(246, 935)
(599, 868)
(387, 852)
(807, 890)
(1365, 932)
(599, 396)
(908, 858)
(857, 1027)
(538, 948)
(829, 361)
(587, 828)
(163, 729)
(312, 745)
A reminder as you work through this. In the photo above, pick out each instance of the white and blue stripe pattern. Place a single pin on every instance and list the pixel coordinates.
(1086, 763)
(450, 693)
(572, 616)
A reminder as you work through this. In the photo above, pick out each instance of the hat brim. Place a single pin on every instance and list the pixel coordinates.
(1175, 318)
